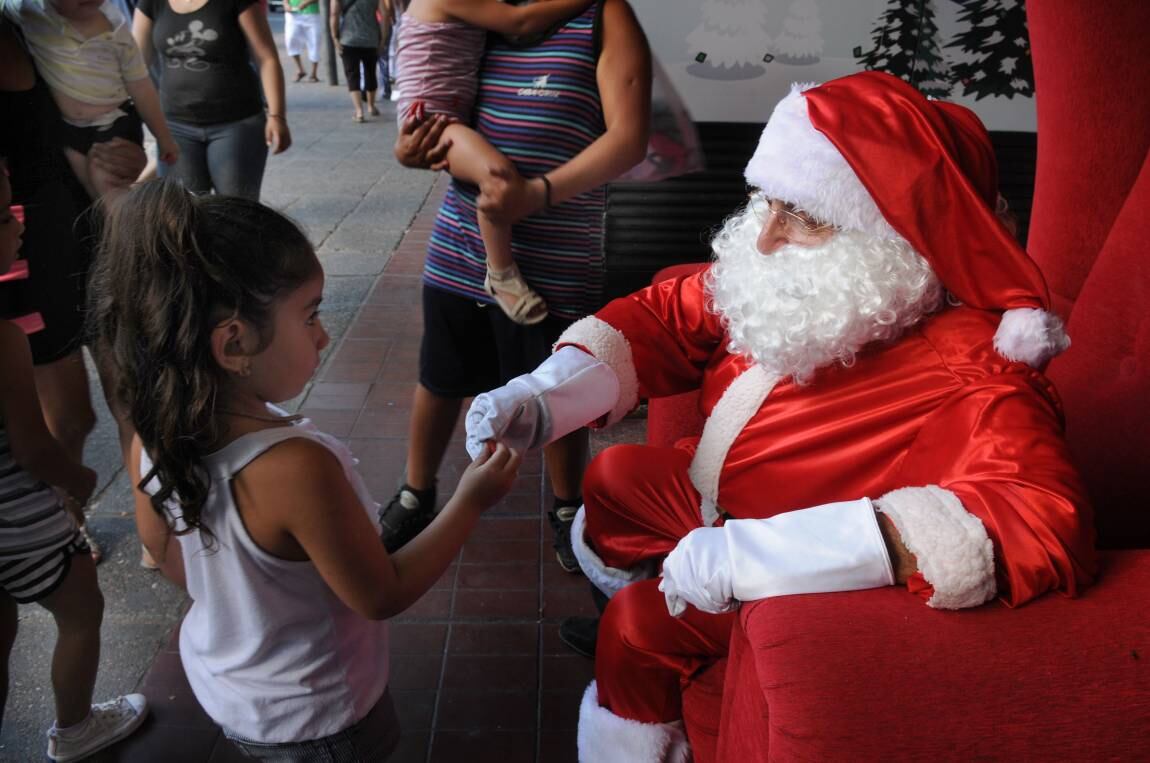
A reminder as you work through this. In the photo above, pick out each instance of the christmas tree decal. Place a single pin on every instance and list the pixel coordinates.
(801, 40)
(997, 42)
(906, 45)
(731, 41)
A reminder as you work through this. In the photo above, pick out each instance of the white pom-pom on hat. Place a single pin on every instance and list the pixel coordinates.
(1030, 335)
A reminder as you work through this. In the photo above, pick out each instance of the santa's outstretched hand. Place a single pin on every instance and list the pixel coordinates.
(569, 390)
(833, 547)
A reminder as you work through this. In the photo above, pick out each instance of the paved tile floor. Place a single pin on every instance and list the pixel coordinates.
(478, 671)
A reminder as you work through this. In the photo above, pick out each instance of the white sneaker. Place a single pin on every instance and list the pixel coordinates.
(108, 723)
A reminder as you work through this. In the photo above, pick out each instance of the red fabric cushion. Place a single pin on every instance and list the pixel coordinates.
(1104, 378)
(1091, 79)
(876, 675)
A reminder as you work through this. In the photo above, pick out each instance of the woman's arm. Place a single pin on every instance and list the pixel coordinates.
(255, 27)
(154, 532)
(120, 160)
(624, 77)
(334, 15)
(513, 20)
(33, 446)
(420, 143)
(142, 33)
(385, 25)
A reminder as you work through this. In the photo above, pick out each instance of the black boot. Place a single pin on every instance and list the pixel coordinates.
(581, 633)
(561, 517)
(406, 515)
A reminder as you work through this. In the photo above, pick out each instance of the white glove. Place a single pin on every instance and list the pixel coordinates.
(568, 390)
(834, 547)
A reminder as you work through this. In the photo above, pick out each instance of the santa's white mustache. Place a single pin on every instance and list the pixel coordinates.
(802, 307)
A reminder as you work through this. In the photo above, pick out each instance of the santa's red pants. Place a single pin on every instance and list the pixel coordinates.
(639, 503)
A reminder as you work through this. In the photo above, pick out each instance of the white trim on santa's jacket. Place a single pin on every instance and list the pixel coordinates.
(739, 402)
(608, 345)
(954, 552)
(608, 738)
(609, 580)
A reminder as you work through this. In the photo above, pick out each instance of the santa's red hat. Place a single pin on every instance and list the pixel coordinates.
(870, 153)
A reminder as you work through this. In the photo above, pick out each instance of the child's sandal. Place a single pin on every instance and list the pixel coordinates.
(527, 308)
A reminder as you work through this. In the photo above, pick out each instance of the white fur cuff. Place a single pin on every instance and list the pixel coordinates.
(609, 580)
(1030, 335)
(954, 553)
(608, 345)
(606, 738)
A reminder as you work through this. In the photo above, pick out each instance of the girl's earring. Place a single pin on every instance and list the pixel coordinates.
(245, 370)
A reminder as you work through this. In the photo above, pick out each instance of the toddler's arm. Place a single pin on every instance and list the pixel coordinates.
(513, 20)
(33, 446)
(147, 101)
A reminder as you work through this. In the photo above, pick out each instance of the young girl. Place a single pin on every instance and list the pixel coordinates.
(43, 558)
(207, 309)
(438, 51)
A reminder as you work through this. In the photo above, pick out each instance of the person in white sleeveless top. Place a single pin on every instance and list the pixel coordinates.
(207, 311)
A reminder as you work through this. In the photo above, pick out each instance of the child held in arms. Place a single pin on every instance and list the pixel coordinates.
(440, 45)
(85, 52)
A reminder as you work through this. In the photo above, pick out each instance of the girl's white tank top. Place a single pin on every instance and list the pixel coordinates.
(270, 651)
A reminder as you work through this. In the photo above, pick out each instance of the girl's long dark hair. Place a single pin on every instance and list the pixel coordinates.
(170, 266)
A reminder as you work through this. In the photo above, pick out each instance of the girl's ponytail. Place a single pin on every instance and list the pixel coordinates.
(169, 267)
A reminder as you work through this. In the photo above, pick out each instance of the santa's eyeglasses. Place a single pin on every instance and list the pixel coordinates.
(796, 225)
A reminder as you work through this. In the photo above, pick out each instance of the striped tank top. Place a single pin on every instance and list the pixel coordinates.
(32, 521)
(539, 106)
(437, 63)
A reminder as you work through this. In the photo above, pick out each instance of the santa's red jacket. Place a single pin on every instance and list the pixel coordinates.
(937, 427)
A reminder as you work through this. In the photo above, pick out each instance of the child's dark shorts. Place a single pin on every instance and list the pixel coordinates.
(30, 580)
(129, 127)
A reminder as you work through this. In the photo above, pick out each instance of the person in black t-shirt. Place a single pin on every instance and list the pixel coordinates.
(210, 93)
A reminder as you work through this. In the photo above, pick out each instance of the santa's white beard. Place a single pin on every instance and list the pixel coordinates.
(800, 308)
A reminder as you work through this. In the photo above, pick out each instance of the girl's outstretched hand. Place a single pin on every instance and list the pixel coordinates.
(489, 477)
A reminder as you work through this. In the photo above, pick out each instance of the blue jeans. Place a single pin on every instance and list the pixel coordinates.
(228, 158)
(369, 740)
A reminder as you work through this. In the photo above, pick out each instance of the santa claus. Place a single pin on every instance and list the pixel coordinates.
(868, 345)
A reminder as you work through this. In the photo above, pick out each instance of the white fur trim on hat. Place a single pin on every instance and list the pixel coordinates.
(608, 738)
(608, 345)
(1030, 335)
(798, 164)
(954, 553)
(609, 580)
(739, 402)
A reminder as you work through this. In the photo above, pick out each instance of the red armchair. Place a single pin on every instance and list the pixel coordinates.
(858, 676)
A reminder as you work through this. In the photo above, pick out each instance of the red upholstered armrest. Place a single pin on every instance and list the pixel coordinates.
(875, 674)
